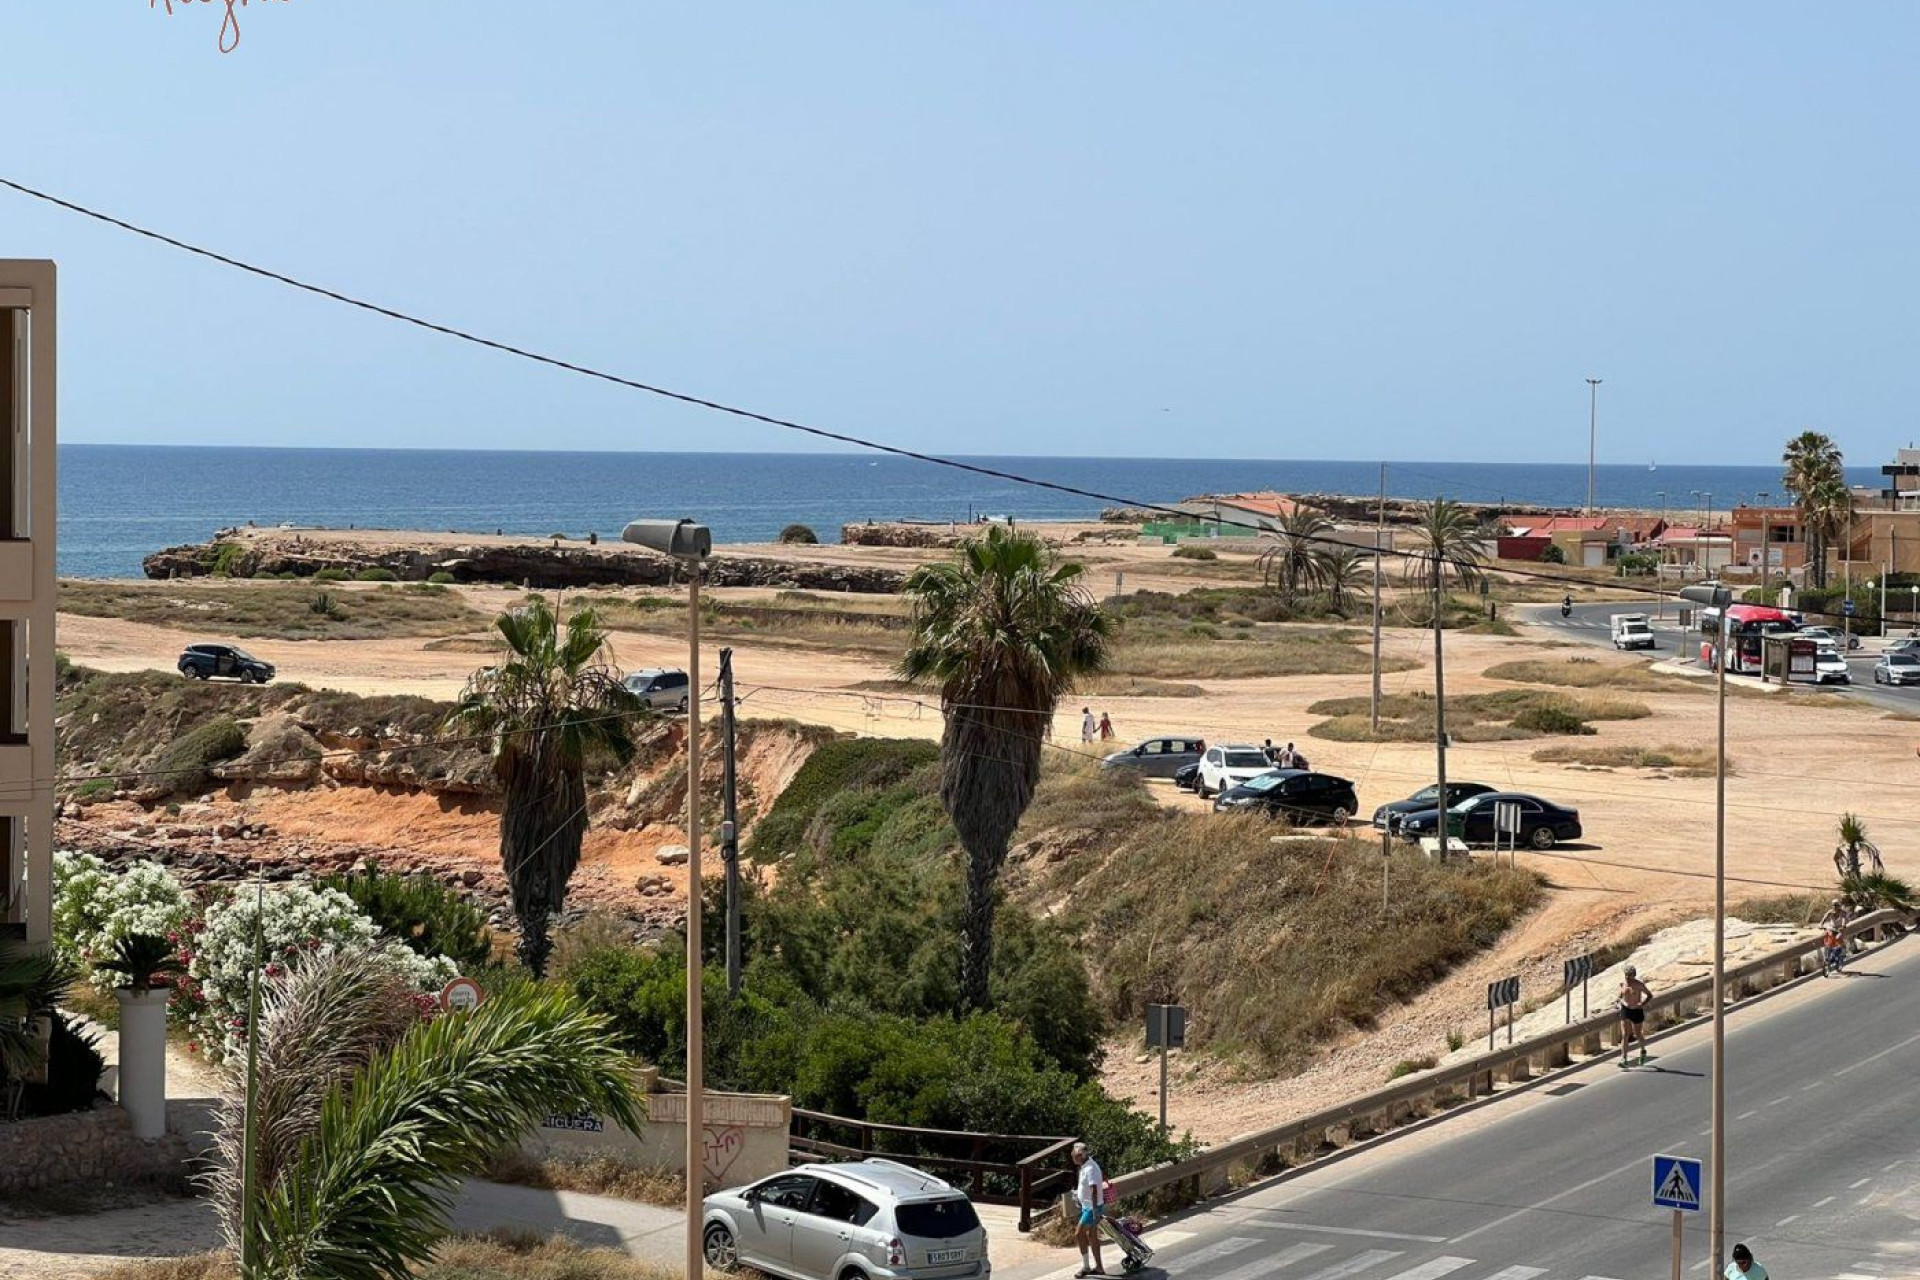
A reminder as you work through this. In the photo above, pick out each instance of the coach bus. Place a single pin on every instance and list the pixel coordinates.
(1746, 624)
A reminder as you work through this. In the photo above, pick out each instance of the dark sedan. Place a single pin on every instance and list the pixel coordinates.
(1187, 776)
(1387, 816)
(1294, 794)
(1542, 824)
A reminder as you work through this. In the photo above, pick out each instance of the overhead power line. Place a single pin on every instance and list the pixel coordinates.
(704, 402)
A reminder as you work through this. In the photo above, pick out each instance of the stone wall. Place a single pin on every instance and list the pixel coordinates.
(85, 1146)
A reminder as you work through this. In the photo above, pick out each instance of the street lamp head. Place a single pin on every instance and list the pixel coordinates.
(1717, 597)
(681, 539)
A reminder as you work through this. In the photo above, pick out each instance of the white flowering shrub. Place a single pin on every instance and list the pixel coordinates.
(94, 906)
(295, 919)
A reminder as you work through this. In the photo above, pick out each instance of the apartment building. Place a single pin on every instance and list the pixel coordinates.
(27, 509)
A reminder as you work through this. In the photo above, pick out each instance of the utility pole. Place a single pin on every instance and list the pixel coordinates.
(1379, 536)
(1593, 435)
(1440, 700)
(730, 824)
(1766, 552)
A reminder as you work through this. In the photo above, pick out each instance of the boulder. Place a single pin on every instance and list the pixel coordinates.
(673, 855)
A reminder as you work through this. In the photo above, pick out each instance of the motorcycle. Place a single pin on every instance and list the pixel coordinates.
(1566, 607)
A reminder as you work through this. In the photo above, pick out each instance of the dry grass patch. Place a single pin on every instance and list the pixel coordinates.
(279, 611)
(1278, 946)
(1205, 650)
(1785, 908)
(1686, 762)
(501, 1255)
(1475, 717)
(1590, 673)
(594, 1175)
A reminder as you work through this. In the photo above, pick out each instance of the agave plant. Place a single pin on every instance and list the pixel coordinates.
(367, 1117)
(139, 958)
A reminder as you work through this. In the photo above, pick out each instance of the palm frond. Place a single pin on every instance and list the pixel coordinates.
(367, 1195)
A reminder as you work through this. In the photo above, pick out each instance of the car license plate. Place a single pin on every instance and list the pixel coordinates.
(938, 1256)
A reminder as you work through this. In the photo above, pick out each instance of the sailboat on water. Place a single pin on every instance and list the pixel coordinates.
(1651, 466)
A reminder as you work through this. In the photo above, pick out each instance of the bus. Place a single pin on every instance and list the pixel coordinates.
(1746, 624)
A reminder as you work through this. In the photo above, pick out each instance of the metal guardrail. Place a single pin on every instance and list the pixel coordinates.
(1300, 1141)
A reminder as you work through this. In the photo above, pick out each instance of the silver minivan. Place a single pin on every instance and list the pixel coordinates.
(875, 1220)
(662, 688)
(1158, 757)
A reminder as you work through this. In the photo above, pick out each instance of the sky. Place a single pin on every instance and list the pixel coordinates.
(1332, 230)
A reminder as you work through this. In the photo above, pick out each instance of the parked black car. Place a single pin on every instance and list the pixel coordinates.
(224, 662)
(1542, 823)
(1294, 794)
(1187, 776)
(1387, 816)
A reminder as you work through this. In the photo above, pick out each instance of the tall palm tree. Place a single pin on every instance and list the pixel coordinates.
(1005, 630)
(551, 704)
(1292, 559)
(1340, 571)
(367, 1124)
(1815, 475)
(1446, 541)
(1829, 516)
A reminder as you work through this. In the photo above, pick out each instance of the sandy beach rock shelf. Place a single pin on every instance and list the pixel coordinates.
(550, 564)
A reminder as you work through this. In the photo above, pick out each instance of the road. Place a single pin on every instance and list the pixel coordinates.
(1823, 1158)
(1590, 624)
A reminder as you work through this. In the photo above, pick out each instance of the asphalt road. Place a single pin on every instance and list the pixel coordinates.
(1823, 1163)
(1591, 624)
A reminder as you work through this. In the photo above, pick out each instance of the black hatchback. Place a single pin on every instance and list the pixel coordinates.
(224, 662)
(1297, 795)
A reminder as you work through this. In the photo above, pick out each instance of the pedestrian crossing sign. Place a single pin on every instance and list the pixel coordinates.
(1676, 1183)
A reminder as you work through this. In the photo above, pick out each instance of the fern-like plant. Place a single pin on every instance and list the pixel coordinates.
(139, 958)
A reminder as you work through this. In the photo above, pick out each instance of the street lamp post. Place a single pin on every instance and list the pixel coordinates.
(689, 543)
(1766, 551)
(1719, 598)
(1593, 435)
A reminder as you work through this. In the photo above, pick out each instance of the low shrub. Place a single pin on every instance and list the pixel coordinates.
(440, 578)
(798, 535)
(186, 764)
(1551, 720)
(229, 561)
(95, 789)
(376, 573)
(330, 574)
(425, 916)
(842, 765)
(1410, 1066)
(324, 604)
(1187, 551)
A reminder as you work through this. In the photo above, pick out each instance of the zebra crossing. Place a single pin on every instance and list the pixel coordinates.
(1265, 1258)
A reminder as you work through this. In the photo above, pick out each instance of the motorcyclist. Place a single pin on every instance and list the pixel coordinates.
(1566, 605)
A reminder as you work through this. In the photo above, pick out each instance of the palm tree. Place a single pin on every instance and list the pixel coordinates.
(551, 704)
(1829, 516)
(1447, 541)
(1339, 570)
(368, 1117)
(1293, 557)
(1816, 477)
(1005, 630)
(32, 982)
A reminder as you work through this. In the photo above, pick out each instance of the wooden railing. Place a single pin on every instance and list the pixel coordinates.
(996, 1168)
(1310, 1137)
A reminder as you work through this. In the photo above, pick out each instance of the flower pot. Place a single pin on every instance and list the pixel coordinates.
(143, 1059)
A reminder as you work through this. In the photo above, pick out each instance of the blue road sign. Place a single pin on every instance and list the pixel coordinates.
(1846, 607)
(1676, 1183)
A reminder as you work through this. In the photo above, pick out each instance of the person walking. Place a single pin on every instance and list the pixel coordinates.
(1089, 727)
(1090, 1192)
(1634, 995)
(1106, 728)
(1743, 1267)
(1288, 758)
(1268, 751)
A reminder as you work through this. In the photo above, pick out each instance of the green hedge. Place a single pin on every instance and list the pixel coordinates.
(330, 575)
(376, 573)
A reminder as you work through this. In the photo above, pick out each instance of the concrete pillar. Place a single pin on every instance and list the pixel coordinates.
(143, 1059)
(1519, 1069)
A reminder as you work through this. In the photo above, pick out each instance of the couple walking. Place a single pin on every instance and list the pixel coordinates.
(1091, 729)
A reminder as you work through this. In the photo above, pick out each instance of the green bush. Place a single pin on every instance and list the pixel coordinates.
(430, 918)
(330, 574)
(1187, 551)
(184, 765)
(1552, 554)
(836, 767)
(799, 535)
(376, 573)
(228, 560)
(440, 578)
(324, 604)
(1543, 719)
(94, 789)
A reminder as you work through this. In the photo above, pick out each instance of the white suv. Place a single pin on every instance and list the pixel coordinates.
(874, 1220)
(1223, 768)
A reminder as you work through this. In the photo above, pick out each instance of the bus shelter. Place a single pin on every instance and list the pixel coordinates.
(1786, 657)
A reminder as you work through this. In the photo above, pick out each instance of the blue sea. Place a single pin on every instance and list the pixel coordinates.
(119, 502)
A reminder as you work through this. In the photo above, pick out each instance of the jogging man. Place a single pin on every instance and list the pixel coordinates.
(1634, 995)
(1091, 1193)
